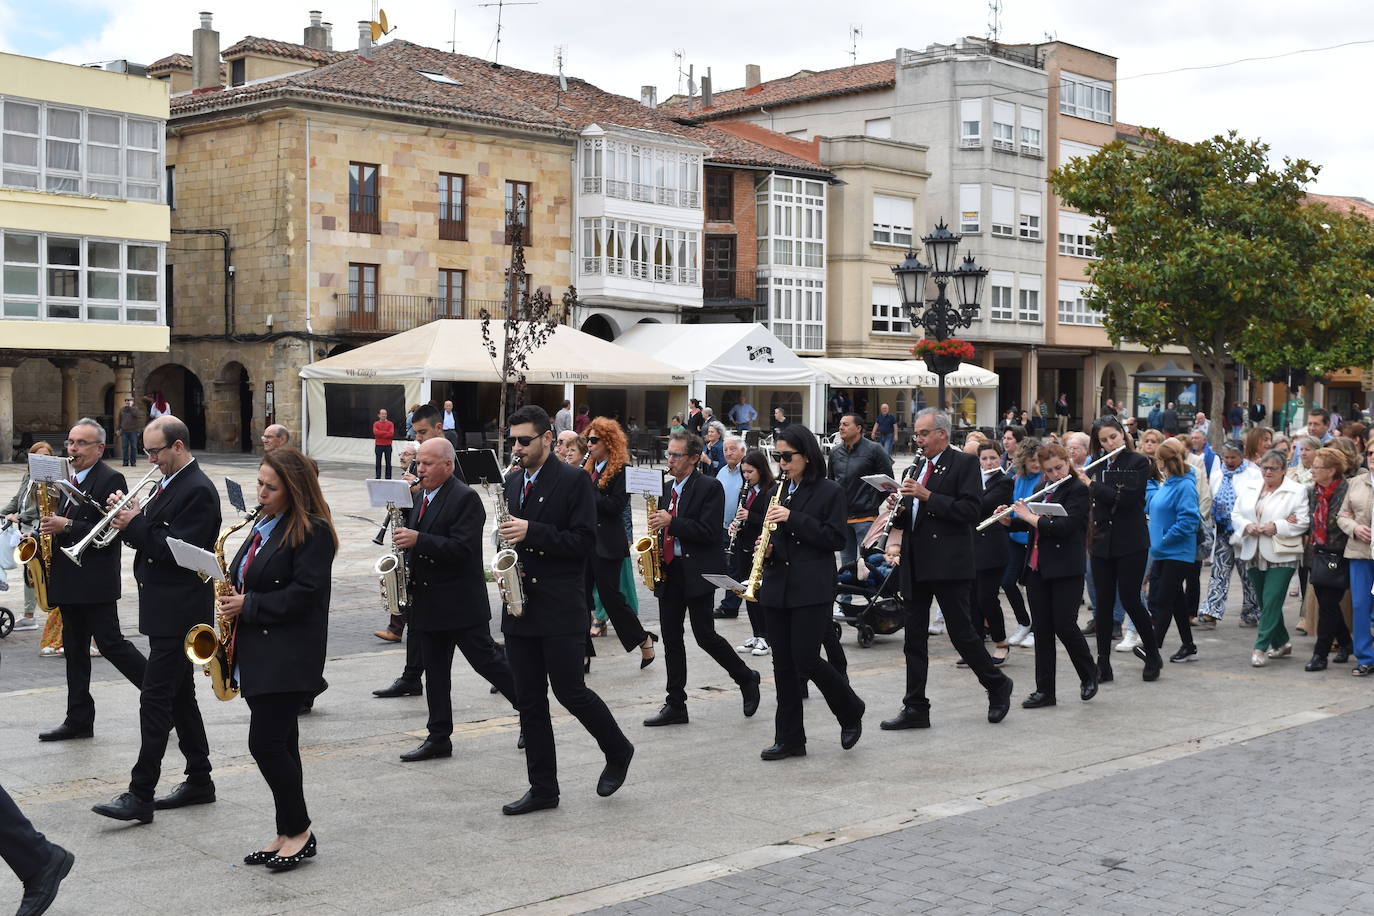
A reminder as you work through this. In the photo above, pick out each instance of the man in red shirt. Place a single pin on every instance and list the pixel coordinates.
(382, 433)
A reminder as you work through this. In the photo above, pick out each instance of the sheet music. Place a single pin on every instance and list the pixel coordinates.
(643, 480)
(49, 468)
(381, 492)
(883, 482)
(196, 559)
(1047, 508)
(722, 581)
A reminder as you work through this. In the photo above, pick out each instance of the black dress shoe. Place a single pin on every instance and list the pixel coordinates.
(849, 734)
(782, 751)
(1342, 656)
(613, 775)
(1152, 666)
(1104, 671)
(261, 857)
(668, 715)
(401, 688)
(1091, 628)
(907, 718)
(1038, 700)
(430, 749)
(286, 863)
(750, 689)
(309, 704)
(65, 732)
(1318, 663)
(646, 661)
(41, 890)
(126, 807)
(1183, 654)
(187, 793)
(1087, 689)
(999, 703)
(721, 613)
(529, 802)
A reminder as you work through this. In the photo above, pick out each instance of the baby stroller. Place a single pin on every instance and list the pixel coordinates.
(872, 609)
(6, 615)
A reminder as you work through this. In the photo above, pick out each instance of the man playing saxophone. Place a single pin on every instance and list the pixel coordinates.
(448, 591)
(87, 593)
(171, 600)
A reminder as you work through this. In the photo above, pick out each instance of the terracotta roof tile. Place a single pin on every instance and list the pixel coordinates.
(1356, 205)
(171, 62)
(808, 150)
(254, 44)
(790, 90)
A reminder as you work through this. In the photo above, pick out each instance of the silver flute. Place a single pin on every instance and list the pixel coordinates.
(1048, 488)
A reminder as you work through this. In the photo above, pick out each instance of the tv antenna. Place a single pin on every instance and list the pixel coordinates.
(453, 38)
(558, 51)
(679, 55)
(994, 20)
(501, 8)
(855, 33)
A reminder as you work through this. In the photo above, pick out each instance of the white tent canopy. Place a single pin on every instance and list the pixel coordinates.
(859, 372)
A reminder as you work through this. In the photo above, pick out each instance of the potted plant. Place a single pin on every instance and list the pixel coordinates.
(943, 356)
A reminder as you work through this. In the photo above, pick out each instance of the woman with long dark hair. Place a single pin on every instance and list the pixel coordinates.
(798, 590)
(608, 455)
(745, 529)
(281, 578)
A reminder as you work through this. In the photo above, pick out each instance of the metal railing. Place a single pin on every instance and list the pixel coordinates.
(722, 286)
(390, 314)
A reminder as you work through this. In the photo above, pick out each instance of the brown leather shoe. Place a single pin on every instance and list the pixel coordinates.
(386, 635)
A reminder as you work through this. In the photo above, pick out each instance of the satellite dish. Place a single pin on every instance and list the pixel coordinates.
(380, 26)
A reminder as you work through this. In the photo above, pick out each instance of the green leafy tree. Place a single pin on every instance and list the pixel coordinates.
(1212, 249)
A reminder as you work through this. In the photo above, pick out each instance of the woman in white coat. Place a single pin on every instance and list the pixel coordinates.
(1269, 520)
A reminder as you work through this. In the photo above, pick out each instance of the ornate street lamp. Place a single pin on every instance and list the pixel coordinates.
(940, 317)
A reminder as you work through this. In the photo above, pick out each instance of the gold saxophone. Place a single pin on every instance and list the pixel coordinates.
(648, 550)
(751, 587)
(212, 648)
(34, 551)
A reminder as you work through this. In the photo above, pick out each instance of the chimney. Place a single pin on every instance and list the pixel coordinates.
(752, 76)
(329, 36)
(364, 36)
(316, 36)
(205, 56)
(648, 96)
(707, 98)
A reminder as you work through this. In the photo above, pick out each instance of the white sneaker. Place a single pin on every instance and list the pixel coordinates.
(25, 623)
(760, 647)
(747, 645)
(936, 628)
(1129, 641)
(1029, 641)
(1019, 634)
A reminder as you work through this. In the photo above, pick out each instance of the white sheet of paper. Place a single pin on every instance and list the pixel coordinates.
(881, 482)
(1047, 508)
(381, 492)
(48, 468)
(722, 581)
(643, 480)
(196, 559)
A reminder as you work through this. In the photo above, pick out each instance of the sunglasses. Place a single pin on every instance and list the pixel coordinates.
(676, 454)
(593, 440)
(523, 441)
(784, 457)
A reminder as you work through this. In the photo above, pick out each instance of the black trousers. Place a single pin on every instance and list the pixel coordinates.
(541, 662)
(482, 653)
(794, 635)
(1121, 576)
(1169, 599)
(1192, 588)
(415, 665)
(953, 597)
(1330, 621)
(23, 848)
(274, 742)
(1010, 580)
(673, 612)
(383, 453)
(1054, 615)
(736, 569)
(167, 700)
(984, 608)
(605, 575)
(81, 623)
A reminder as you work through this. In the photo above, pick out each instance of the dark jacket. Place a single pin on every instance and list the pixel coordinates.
(1063, 551)
(848, 468)
(448, 588)
(697, 528)
(990, 546)
(171, 600)
(1336, 539)
(801, 570)
(1168, 421)
(611, 501)
(752, 527)
(940, 548)
(561, 510)
(96, 580)
(1118, 506)
(283, 629)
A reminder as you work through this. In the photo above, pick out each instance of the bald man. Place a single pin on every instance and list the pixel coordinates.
(449, 607)
(275, 436)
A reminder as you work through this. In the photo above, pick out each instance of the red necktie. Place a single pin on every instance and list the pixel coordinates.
(248, 560)
(525, 494)
(749, 500)
(596, 475)
(424, 503)
(668, 539)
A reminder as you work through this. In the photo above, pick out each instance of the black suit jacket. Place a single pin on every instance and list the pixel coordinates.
(448, 588)
(1118, 506)
(801, 570)
(697, 528)
(752, 527)
(940, 548)
(990, 546)
(1063, 550)
(611, 542)
(96, 580)
(282, 632)
(171, 600)
(561, 510)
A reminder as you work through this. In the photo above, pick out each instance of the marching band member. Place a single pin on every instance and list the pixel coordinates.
(940, 507)
(991, 554)
(449, 607)
(171, 600)
(281, 577)
(688, 520)
(797, 590)
(553, 529)
(87, 593)
(1054, 576)
(606, 462)
(745, 529)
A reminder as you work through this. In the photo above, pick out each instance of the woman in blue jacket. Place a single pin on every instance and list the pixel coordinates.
(1174, 520)
(1025, 483)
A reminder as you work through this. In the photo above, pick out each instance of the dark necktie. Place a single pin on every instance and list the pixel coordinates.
(248, 560)
(668, 539)
(525, 493)
(424, 504)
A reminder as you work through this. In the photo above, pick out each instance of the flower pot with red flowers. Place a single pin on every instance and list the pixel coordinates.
(943, 356)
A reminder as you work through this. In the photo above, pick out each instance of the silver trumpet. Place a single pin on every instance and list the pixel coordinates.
(103, 533)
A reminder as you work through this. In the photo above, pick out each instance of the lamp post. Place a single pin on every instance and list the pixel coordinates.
(940, 317)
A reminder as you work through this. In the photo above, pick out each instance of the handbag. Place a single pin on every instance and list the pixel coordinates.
(1330, 569)
(9, 540)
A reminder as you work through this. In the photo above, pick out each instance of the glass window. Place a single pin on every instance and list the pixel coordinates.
(1029, 305)
(999, 296)
(1003, 125)
(143, 257)
(1028, 225)
(878, 127)
(971, 122)
(103, 255)
(1031, 125)
(21, 281)
(892, 220)
(1002, 211)
(888, 315)
(970, 207)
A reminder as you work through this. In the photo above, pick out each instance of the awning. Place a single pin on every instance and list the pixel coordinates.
(859, 372)
(721, 354)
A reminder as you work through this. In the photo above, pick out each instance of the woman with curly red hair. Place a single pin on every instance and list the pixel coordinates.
(607, 456)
